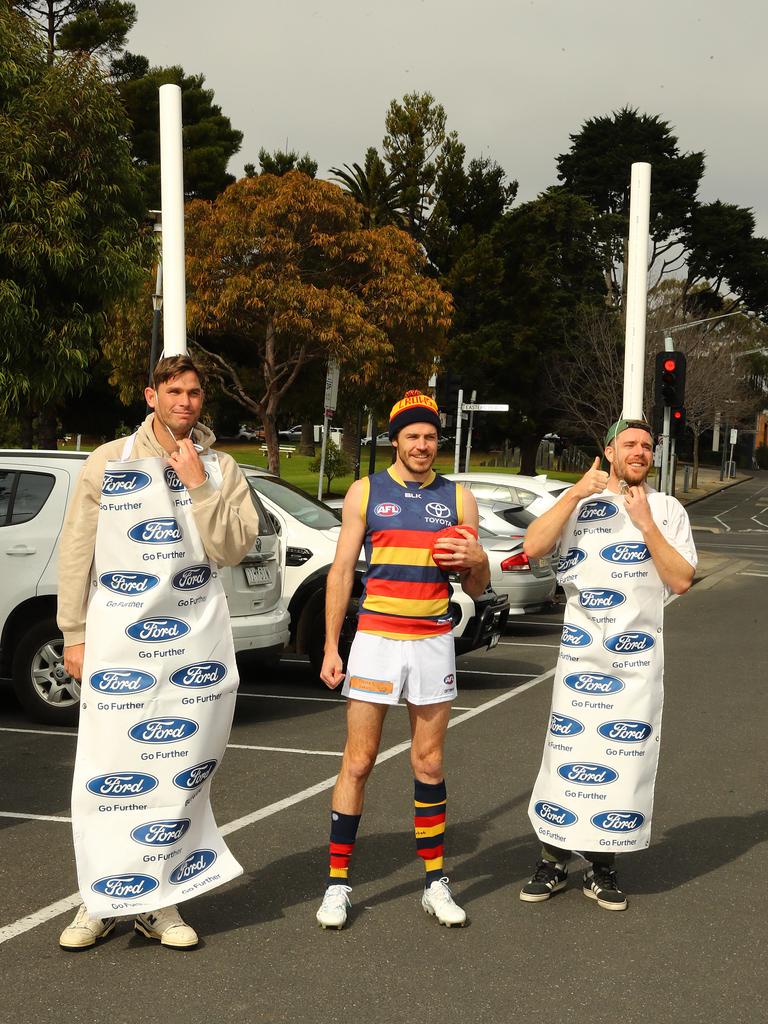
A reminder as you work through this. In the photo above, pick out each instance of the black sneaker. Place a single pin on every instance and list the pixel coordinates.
(547, 879)
(600, 884)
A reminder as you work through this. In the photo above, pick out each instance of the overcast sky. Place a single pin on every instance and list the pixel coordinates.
(516, 77)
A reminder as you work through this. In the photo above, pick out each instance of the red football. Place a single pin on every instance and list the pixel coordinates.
(449, 531)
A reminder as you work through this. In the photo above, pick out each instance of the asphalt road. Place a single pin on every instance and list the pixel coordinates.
(691, 946)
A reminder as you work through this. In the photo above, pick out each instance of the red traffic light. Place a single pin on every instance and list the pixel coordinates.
(670, 365)
(677, 414)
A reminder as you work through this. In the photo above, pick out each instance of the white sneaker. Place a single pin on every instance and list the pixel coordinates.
(333, 909)
(85, 930)
(438, 902)
(168, 926)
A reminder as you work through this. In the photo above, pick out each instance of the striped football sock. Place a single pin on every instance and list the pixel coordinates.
(429, 822)
(343, 835)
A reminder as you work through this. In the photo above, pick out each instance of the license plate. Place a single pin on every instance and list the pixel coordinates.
(494, 641)
(257, 575)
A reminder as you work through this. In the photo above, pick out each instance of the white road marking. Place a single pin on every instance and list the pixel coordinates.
(286, 696)
(763, 575)
(38, 732)
(485, 672)
(284, 750)
(725, 526)
(32, 817)
(25, 924)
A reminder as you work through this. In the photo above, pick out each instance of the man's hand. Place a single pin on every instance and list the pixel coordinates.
(73, 660)
(332, 672)
(458, 554)
(187, 465)
(594, 481)
(638, 509)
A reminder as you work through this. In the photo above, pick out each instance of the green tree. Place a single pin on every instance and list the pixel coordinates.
(518, 293)
(208, 138)
(336, 463)
(376, 189)
(69, 232)
(281, 162)
(97, 27)
(281, 275)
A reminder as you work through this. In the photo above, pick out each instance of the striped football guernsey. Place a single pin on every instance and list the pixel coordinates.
(405, 594)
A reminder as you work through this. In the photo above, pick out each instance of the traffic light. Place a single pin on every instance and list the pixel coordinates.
(676, 421)
(670, 380)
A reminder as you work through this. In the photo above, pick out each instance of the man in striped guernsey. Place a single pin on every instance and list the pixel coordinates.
(403, 646)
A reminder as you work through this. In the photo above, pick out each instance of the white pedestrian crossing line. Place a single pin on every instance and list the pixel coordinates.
(33, 817)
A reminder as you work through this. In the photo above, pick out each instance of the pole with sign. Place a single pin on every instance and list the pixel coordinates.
(469, 430)
(329, 408)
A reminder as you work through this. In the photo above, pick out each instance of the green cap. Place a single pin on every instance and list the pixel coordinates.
(622, 424)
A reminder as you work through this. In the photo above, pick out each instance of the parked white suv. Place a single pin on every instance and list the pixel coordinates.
(35, 488)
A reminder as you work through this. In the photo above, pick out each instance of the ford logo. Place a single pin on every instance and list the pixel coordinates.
(587, 774)
(163, 730)
(625, 731)
(202, 673)
(172, 479)
(387, 509)
(437, 509)
(195, 776)
(125, 887)
(157, 630)
(161, 833)
(156, 531)
(118, 481)
(562, 725)
(192, 578)
(128, 582)
(194, 864)
(121, 785)
(571, 559)
(554, 814)
(626, 553)
(631, 642)
(618, 821)
(575, 636)
(596, 600)
(592, 682)
(597, 511)
(121, 680)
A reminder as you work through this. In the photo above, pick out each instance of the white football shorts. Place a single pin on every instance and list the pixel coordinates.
(381, 670)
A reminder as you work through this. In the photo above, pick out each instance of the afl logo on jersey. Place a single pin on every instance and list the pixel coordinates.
(387, 509)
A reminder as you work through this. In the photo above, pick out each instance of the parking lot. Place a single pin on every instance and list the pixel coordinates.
(689, 947)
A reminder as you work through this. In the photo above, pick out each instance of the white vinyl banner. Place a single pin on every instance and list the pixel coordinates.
(595, 786)
(158, 695)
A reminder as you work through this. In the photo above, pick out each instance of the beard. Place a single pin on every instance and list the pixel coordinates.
(633, 475)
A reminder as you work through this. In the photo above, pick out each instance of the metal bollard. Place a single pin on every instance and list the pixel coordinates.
(686, 479)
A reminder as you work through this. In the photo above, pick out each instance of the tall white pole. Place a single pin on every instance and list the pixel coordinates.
(172, 198)
(637, 290)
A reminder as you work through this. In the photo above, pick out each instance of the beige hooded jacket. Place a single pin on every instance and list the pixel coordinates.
(226, 518)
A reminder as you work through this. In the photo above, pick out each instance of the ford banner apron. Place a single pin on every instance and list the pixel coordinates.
(595, 786)
(157, 699)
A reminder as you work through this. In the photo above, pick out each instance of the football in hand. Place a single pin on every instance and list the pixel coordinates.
(440, 555)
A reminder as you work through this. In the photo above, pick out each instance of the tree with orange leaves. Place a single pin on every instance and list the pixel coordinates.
(281, 274)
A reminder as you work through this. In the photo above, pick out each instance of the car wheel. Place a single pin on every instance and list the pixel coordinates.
(316, 647)
(43, 688)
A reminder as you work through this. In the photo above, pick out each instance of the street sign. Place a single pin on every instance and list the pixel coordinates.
(331, 388)
(734, 436)
(483, 407)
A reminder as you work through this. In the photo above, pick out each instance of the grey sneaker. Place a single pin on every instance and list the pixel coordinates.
(333, 909)
(168, 927)
(85, 930)
(548, 878)
(438, 902)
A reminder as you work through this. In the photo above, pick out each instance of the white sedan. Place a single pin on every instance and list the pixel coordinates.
(534, 493)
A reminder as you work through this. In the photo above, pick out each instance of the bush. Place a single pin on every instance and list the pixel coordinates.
(336, 463)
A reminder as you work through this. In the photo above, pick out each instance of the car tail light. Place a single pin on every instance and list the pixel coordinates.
(516, 563)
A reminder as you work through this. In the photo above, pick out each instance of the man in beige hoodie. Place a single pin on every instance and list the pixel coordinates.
(225, 519)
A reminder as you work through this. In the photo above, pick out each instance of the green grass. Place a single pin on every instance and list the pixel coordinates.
(296, 469)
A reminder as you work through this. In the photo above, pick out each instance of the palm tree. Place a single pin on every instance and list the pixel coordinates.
(375, 188)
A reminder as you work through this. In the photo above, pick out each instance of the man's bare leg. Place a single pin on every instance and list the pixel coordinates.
(364, 724)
